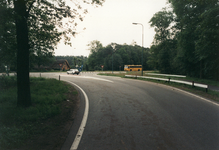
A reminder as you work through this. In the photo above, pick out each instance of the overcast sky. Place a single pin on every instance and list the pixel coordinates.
(112, 22)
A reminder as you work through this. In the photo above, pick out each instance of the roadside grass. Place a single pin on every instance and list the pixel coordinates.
(19, 124)
(213, 95)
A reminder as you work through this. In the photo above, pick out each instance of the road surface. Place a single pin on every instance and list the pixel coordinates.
(128, 114)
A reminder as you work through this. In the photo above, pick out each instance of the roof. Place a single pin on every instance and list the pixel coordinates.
(60, 61)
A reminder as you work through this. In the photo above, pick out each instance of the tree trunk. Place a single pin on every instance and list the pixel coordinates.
(23, 83)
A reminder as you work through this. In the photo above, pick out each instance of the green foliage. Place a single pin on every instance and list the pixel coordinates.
(7, 32)
(120, 55)
(164, 49)
(45, 28)
(19, 123)
(6, 82)
(161, 21)
(187, 39)
(207, 45)
(30, 30)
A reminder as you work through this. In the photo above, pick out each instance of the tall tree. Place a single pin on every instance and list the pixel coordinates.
(162, 49)
(162, 22)
(56, 11)
(207, 45)
(23, 85)
(197, 23)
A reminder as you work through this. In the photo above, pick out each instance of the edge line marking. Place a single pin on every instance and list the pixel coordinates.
(182, 91)
(88, 77)
(79, 134)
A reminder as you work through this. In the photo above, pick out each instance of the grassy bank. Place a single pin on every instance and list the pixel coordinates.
(213, 95)
(17, 125)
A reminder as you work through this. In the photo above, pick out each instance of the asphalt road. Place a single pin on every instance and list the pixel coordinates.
(127, 114)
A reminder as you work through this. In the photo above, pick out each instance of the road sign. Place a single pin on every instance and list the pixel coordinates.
(60, 65)
(102, 66)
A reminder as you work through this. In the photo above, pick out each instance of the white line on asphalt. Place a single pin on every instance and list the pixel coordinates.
(100, 79)
(207, 100)
(88, 78)
(77, 139)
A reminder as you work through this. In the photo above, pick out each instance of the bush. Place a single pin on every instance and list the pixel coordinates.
(8, 81)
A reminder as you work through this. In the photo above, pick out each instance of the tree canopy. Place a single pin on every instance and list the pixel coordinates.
(187, 39)
(115, 55)
(31, 29)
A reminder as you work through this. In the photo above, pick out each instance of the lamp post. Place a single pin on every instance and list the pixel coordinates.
(142, 45)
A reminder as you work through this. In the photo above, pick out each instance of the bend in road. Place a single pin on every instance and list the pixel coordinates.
(126, 114)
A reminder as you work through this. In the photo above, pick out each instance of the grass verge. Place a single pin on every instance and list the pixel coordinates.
(21, 128)
(213, 95)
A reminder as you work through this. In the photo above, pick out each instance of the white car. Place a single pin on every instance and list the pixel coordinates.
(73, 71)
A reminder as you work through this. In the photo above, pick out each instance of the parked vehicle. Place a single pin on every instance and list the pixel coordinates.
(73, 71)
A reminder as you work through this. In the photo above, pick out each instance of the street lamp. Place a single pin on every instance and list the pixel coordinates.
(142, 44)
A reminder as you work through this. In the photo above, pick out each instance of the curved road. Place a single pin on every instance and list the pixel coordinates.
(127, 114)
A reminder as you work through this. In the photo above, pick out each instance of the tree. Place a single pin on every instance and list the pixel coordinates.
(94, 46)
(117, 61)
(197, 23)
(162, 22)
(7, 38)
(207, 45)
(187, 39)
(122, 54)
(162, 49)
(56, 11)
(23, 85)
(96, 51)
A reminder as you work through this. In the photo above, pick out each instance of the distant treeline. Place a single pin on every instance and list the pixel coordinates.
(115, 56)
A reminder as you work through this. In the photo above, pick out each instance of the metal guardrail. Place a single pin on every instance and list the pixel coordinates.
(168, 75)
(171, 80)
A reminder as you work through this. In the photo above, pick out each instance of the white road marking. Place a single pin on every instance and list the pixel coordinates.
(100, 79)
(88, 77)
(207, 100)
(202, 98)
(77, 139)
